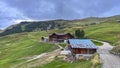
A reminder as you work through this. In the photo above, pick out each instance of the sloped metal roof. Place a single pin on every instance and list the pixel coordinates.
(82, 43)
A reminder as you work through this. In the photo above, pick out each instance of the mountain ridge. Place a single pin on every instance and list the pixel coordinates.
(29, 26)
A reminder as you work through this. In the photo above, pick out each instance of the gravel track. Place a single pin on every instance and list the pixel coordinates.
(109, 60)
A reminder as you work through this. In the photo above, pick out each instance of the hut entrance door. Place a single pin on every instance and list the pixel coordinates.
(83, 51)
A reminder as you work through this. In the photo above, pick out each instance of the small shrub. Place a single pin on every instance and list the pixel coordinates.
(96, 63)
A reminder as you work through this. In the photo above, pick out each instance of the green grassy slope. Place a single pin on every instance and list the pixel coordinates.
(28, 26)
(59, 63)
(17, 46)
(106, 31)
(62, 64)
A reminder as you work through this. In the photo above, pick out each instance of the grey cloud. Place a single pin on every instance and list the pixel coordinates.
(52, 9)
(68, 9)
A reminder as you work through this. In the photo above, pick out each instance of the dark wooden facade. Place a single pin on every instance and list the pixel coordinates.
(81, 46)
(60, 37)
(83, 51)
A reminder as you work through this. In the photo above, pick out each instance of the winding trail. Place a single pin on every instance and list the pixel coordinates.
(41, 59)
(109, 60)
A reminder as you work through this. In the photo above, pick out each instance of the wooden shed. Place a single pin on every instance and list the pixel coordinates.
(82, 46)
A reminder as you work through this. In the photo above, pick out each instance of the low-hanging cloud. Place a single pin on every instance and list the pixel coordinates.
(54, 9)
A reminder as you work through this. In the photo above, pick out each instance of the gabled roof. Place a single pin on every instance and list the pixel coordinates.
(82, 43)
(59, 34)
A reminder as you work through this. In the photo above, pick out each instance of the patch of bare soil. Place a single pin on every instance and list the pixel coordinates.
(40, 60)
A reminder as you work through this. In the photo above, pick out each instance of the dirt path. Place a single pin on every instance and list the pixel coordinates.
(39, 60)
(109, 60)
(59, 45)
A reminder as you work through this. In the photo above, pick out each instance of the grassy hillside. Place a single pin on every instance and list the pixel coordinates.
(29, 26)
(33, 26)
(62, 64)
(14, 48)
(106, 31)
(58, 63)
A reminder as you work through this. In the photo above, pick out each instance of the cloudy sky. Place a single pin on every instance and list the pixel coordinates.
(12, 10)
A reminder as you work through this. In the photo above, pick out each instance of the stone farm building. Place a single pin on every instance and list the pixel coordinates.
(60, 37)
(80, 47)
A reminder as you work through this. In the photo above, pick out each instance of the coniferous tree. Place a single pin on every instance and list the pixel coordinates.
(79, 33)
(82, 33)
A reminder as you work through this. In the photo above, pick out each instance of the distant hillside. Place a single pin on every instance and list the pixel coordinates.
(27, 26)
(1, 31)
(106, 31)
(32, 26)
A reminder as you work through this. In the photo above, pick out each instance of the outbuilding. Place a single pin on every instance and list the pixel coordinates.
(82, 47)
